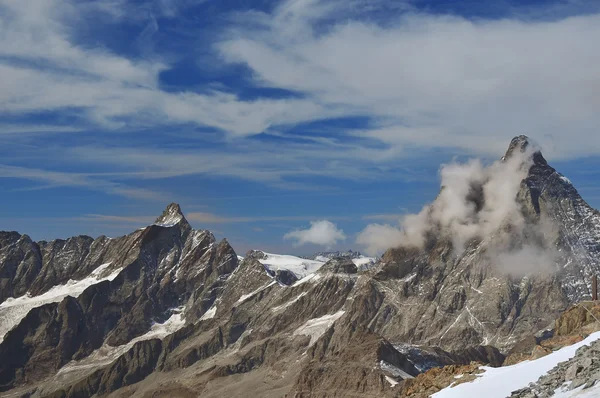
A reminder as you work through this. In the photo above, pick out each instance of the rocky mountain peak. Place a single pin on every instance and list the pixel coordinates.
(520, 144)
(171, 216)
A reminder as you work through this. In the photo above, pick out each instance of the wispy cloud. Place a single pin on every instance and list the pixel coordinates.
(196, 217)
(384, 217)
(55, 179)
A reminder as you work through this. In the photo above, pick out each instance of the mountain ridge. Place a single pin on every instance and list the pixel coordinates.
(169, 300)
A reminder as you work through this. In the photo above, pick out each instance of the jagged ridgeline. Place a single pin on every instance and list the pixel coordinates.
(169, 311)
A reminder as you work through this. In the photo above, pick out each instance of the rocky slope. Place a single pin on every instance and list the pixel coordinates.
(577, 375)
(169, 311)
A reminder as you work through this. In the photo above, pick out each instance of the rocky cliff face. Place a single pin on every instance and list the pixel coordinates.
(169, 311)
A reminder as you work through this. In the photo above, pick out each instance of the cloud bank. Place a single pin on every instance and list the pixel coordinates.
(321, 233)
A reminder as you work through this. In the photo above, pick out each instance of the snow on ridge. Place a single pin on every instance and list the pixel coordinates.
(301, 267)
(362, 261)
(500, 382)
(394, 370)
(170, 218)
(210, 314)
(285, 305)
(565, 179)
(579, 392)
(245, 297)
(316, 327)
(107, 354)
(309, 277)
(13, 310)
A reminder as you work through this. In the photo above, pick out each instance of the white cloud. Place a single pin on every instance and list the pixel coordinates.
(436, 80)
(322, 233)
(45, 70)
(474, 202)
(425, 80)
(377, 238)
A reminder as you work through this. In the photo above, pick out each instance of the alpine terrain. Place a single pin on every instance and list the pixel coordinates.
(168, 311)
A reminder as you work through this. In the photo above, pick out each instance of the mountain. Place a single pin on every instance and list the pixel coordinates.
(169, 311)
(363, 262)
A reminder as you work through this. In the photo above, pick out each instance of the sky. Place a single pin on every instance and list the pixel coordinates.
(287, 126)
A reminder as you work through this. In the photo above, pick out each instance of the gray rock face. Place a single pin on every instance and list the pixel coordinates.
(339, 265)
(331, 255)
(20, 263)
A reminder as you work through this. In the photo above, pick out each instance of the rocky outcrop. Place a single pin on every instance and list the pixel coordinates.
(436, 379)
(20, 263)
(349, 370)
(576, 317)
(339, 265)
(572, 326)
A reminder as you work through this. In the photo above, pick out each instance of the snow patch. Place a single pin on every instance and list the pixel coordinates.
(565, 179)
(210, 314)
(13, 310)
(391, 381)
(394, 370)
(107, 354)
(592, 392)
(477, 290)
(170, 218)
(283, 306)
(316, 327)
(500, 382)
(301, 267)
(313, 277)
(247, 296)
(362, 261)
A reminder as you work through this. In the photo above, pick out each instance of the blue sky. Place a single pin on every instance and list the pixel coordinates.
(262, 117)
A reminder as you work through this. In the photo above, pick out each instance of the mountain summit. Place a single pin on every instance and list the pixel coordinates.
(521, 144)
(494, 259)
(172, 215)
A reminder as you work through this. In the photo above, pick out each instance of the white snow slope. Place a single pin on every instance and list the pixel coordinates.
(500, 382)
(301, 267)
(316, 327)
(13, 310)
(363, 261)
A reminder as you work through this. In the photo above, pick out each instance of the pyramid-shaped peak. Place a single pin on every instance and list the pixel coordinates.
(517, 144)
(522, 143)
(171, 216)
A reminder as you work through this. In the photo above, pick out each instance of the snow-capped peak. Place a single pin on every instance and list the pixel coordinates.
(171, 216)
